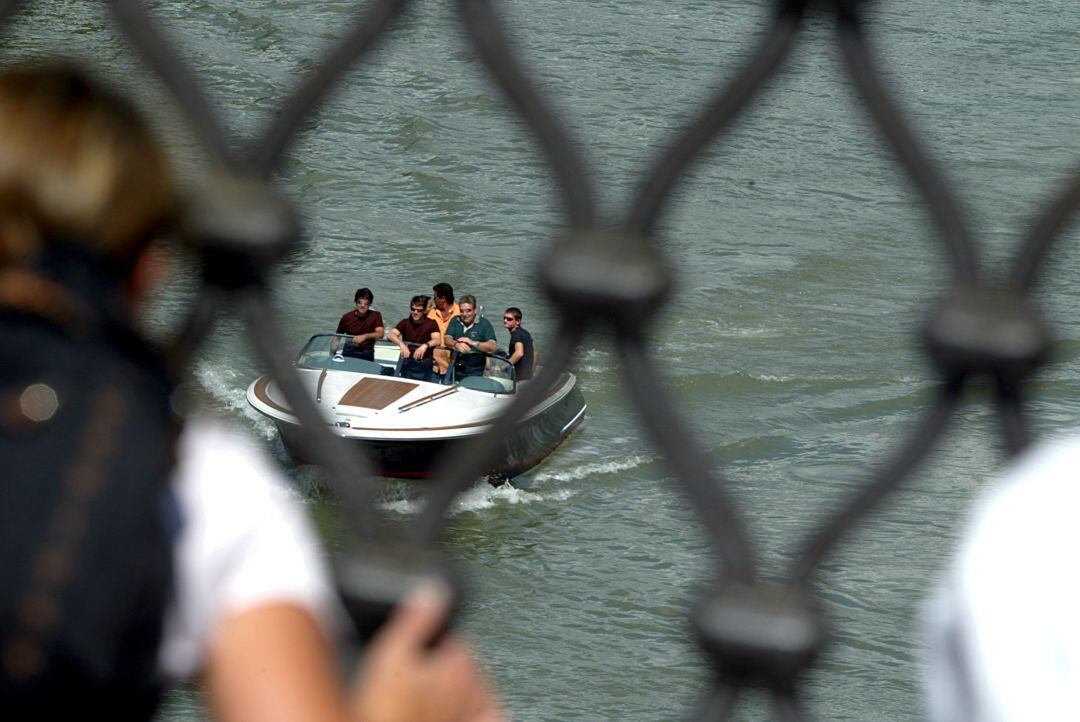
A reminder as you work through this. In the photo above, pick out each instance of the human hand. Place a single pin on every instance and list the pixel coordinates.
(405, 352)
(420, 352)
(402, 679)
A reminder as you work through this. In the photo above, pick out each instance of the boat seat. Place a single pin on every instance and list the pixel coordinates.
(480, 383)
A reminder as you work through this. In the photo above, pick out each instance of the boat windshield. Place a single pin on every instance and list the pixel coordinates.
(482, 371)
(477, 370)
(336, 352)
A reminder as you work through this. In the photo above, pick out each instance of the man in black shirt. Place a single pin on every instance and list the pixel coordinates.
(521, 344)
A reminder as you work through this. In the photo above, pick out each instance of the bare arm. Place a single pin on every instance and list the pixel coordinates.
(395, 337)
(272, 664)
(489, 346)
(518, 352)
(423, 348)
(373, 336)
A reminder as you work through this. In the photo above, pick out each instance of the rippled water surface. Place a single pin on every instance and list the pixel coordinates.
(805, 263)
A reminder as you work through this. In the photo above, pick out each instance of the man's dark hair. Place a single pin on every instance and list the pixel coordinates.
(515, 312)
(420, 301)
(445, 290)
(364, 293)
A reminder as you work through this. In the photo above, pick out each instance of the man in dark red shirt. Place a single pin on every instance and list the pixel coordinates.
(416, 335)
(363, 324)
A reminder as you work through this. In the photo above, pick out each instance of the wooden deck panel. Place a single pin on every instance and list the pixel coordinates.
(370, 393)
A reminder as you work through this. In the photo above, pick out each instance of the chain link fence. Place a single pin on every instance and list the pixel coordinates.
(760, 632)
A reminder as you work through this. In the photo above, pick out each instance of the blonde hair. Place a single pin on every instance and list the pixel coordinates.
(77, 163)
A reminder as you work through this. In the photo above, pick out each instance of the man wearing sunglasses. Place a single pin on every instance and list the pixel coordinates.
(521, 344)
(423, 334)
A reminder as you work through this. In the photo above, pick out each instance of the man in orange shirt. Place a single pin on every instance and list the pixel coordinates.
(442, 313)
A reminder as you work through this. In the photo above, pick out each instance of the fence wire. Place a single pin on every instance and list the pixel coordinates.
(759, 632)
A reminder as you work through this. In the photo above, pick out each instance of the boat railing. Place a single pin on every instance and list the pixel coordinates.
(338, 352)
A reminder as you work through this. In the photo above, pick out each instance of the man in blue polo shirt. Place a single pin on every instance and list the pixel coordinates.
(468, 334)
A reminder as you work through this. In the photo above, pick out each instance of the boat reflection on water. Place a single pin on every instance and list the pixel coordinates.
(404, 424)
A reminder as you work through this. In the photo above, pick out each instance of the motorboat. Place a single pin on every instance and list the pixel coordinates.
(404, 421)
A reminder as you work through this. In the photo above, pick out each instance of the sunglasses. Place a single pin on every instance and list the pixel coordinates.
(509, 318)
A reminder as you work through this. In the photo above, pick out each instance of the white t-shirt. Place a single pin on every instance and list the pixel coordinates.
(245, 540)
(1004, 630)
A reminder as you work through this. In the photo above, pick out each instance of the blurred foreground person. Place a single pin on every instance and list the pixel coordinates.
(134, 551)
(1004, 628)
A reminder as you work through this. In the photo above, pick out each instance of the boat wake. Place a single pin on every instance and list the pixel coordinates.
(480, 497)
(227, 391)
(596, 468)
(521, 490)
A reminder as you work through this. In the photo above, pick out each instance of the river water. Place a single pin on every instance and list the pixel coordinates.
(805, 263)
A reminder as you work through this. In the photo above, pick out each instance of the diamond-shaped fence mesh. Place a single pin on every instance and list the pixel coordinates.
(759, 631)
